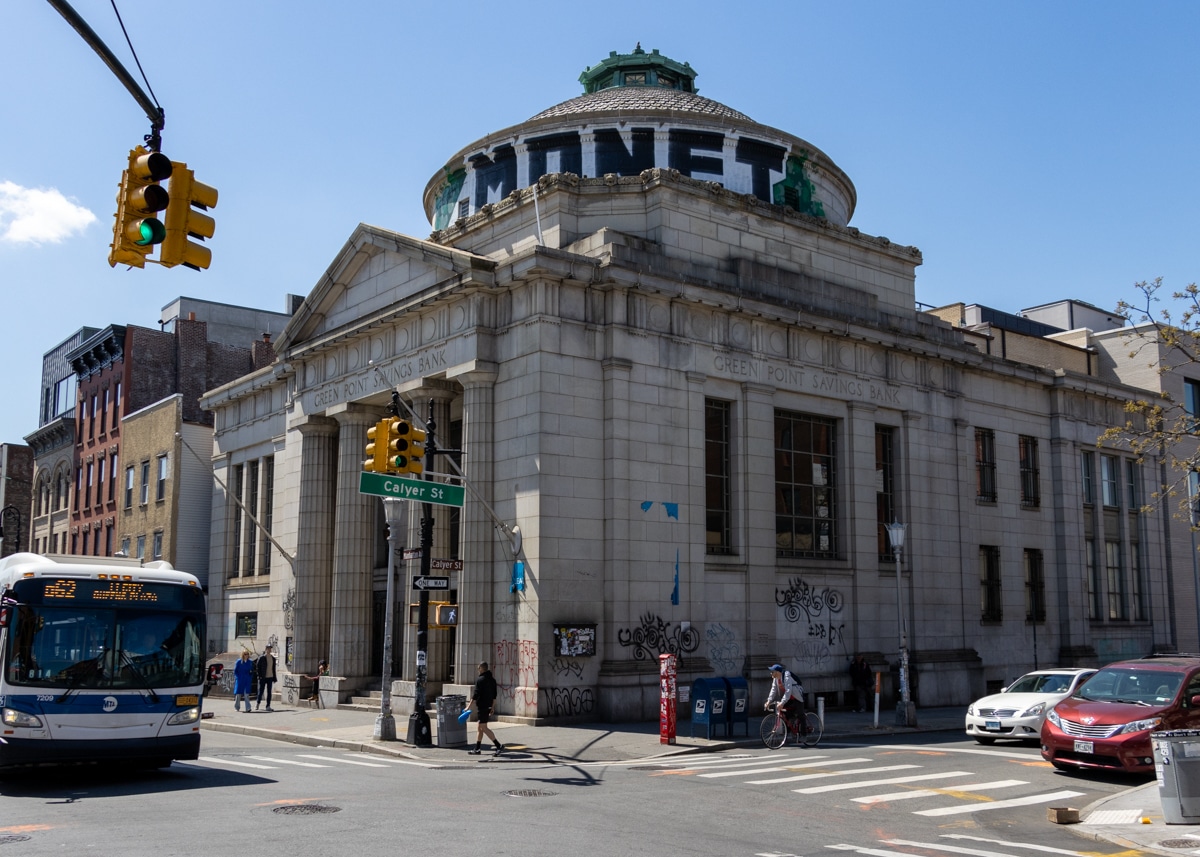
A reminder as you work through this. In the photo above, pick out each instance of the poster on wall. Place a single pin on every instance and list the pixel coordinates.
(574, 641)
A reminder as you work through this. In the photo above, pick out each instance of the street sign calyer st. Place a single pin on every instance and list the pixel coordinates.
(405, 488)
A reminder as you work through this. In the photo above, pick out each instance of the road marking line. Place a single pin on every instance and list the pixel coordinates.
(1032, 846)
(999, 804)
(235, 762)
(286, 762)
(824, 774)
(838, 787)
(968, 788)
(393, 761)
(342, 761)
(714, 764)
(804, 776)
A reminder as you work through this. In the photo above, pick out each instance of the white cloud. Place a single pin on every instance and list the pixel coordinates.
(35, 216)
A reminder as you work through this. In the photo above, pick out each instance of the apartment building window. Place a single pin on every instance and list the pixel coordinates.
(246, 625)
(160, 486)
(157, 545)
(112, 477)
(92, 420)
(1087, 472)
(268, 510)
(885, 488)
(985, 465)
(91, 473)
(991, 608)
(99, 479)
(108, 539)
(144, 496)
(1031, 492)
(125, 546)
(717, 489)
(104, 412)
(141, 547)
(1035, 586)
(96, 541)
(78, 488)
(1116, 581)
(1095, 608)
(1191, 402)
(805, 480)
(116, 410)
(1108, 481)
(60, 490)
(235, 561)
(250, 499)
(129, 487)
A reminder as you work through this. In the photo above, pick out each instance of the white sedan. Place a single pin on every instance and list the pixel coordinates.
(1018, 710)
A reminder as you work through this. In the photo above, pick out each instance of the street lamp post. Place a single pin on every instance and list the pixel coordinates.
(385, 723)
(906, 710)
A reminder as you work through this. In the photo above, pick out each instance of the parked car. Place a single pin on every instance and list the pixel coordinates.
(1108, 721)
(1018, 710)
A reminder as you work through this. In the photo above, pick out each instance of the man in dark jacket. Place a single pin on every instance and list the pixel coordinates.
(264, 668)
(484, 697)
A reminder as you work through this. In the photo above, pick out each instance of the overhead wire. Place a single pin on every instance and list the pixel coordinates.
(129, 42)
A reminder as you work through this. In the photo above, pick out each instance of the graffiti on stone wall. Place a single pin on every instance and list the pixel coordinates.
(656, 637)
(724, 653)
(672, 510)
(817, 611)
(515, 668)
(567, 701)
(566, 667)
(289, 609)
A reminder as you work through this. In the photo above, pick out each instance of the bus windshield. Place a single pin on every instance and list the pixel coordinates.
(85, 646)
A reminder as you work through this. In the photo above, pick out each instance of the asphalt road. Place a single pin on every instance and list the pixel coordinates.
(251, 796)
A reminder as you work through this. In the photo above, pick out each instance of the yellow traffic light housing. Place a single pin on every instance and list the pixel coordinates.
(139, 197)
(407, 447)
(183, 221)
(380, 437)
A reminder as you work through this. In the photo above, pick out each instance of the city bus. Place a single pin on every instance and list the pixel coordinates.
(101, 660)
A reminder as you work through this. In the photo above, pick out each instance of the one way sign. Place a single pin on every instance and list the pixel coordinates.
(427, 582)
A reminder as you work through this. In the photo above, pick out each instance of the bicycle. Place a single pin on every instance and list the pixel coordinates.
(776, 728)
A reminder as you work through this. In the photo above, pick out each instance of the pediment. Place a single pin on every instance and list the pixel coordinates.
(377, 273)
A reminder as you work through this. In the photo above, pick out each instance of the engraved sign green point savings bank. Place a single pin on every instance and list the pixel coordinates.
(405, 488)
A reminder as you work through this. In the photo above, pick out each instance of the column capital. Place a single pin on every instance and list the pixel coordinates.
(477, 373)
(317, 426)
(352, 413)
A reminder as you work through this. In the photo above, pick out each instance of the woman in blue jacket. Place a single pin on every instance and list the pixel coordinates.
(243, 679)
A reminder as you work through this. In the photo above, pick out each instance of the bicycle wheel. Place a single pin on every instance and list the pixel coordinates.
(812, 730)
(773, 731)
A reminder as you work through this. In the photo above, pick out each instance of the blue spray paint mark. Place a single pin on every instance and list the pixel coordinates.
(675, 593)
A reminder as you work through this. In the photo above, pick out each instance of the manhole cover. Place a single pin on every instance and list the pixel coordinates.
(1180, 843)
(529, 793)
(13, 837)
(305, 809)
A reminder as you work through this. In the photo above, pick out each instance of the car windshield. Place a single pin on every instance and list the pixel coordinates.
(1054, 683)
(1130, 684)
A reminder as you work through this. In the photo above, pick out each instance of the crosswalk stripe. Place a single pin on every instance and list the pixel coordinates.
(394, 761)
(968, 788)
(342, 761)
(287, 762)
(838, 787)
(798, 777)
(870, 852)
(703, 761)
(825, 774)
(952, 849)
(236, 762)
(999, 804)
(776, 764)
(1032, 846)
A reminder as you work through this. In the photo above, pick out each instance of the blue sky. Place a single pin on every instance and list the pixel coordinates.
(1032, 150)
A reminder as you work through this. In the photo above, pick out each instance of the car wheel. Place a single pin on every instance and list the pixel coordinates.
(985, 740)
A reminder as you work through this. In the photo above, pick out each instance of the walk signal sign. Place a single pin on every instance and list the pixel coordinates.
(183, 221)
(140, 197)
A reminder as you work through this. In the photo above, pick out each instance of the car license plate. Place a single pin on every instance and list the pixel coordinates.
(1085, 747)
(992, 724)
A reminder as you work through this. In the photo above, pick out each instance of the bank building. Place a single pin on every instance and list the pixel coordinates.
(700, 395)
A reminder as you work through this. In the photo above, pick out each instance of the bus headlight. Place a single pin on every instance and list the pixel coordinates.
(12, 717)
(190, 715)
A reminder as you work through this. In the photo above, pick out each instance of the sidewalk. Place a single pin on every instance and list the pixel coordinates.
(1118, 819)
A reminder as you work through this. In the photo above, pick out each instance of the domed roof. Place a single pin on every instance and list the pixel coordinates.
(641, 98)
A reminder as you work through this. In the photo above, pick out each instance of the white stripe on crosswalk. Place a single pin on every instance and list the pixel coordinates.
(968, 788)
(704, 761)
(825, 774)
(777, 764)
(952, 849)
(1032, 846)
(287, 762)
(798, 777)
(999, 804)
(394, 761)
(342, 761)
(887, 781)
(235, 762)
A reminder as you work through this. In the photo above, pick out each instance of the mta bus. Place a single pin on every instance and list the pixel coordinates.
(101, 660)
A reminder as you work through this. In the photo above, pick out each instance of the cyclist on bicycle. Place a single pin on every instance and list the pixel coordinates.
(786, 693)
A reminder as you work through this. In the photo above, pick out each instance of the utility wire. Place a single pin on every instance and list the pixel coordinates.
(129, 42)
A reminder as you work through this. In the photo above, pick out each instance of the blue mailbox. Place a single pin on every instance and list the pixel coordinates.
(738, 703)
(709, 706)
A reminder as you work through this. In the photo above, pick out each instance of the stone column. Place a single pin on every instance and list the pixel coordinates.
(756, 457)
(483, 553)
(314, 543)
(353, 550)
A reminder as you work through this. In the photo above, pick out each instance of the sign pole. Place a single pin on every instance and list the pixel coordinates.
(385, 723)
(418, 723)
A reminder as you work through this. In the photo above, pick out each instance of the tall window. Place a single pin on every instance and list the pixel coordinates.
(991, 609)
(235, 561)
(128, 487)
(1087, 475)
(1035, 586)
(92, 421)
(1031, 491)
(160, 487)
(157, 549)
(1095, 592)
(805, 494)
(112, 477)
(1108, 481)
(1133, 477)
(91, 472)
(885, 487)
(116, 411)
(1116, 581)
(104, 411)
(99, 479)
(144, 497)
(1136, 598)
(141, 547)
(1191, 401)
(717, 464)
(268, 510)
(985, 465)
(251, 501)
(125, 546)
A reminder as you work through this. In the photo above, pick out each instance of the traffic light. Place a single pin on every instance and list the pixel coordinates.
(139, 197)
(406, 448)
(379, 437)
(183, 221)
(444, 614)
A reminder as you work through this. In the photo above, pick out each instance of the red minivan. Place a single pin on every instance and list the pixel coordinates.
(1107, 722)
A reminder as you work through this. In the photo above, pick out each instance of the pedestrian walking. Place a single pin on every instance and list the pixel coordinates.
(322, 670)
(265, 669)
(484, 698)
(862, 680)
(243, 679)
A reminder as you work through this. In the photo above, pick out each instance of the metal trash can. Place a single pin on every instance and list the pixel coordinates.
(738, 707)
(708, 706)
(1177, 767)
(451, 733)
